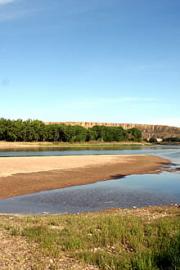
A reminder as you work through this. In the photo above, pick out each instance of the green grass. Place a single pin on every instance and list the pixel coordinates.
(115, 240)
(85, 145)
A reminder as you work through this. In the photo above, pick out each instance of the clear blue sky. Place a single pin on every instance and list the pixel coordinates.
(90, 60)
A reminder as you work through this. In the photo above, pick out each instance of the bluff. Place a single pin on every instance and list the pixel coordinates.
(148, 131)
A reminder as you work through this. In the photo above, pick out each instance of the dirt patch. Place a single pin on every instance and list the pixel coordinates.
(18, 254)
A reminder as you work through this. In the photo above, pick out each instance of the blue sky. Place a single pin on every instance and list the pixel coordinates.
(98, 60)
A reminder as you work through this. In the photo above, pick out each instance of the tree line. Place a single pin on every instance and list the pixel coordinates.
(38, 131)
(172, 140)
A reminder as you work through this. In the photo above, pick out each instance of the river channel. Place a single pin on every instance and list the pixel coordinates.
(127, 192)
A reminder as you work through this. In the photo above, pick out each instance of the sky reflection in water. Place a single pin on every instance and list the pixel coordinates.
(136, 190)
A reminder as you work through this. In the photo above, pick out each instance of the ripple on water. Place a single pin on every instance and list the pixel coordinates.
(136, 190)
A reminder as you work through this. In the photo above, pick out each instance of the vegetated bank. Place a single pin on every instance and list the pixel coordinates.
(156, 133)
(138, 239)
(38, 131)
(85, 132)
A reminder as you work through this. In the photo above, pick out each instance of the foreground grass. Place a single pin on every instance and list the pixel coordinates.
(142, 239)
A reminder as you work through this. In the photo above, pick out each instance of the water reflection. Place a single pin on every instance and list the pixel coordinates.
(137, 190)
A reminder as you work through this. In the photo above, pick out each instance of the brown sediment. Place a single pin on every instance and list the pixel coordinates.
(20, 176)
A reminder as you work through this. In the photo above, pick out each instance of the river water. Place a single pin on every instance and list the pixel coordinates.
(130, 191)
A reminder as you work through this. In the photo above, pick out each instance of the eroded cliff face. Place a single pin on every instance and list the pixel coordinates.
(148, 131)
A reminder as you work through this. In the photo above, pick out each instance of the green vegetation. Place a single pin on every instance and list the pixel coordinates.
(37, 131)
(142, 239)
(172, 140)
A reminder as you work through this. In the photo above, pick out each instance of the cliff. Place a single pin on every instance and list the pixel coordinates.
(148, 131)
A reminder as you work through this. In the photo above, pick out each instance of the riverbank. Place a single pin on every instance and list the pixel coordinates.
(90, 145)
(126, 239)
(25, 175)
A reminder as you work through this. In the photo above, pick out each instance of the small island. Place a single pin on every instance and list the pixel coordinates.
(24, 175)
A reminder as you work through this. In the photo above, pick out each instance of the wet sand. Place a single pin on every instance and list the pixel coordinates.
(24, 175)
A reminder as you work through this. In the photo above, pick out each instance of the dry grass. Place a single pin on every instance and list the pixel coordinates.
(91, 145)
(139, 239)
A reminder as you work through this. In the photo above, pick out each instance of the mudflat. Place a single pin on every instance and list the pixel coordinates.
(24, 175)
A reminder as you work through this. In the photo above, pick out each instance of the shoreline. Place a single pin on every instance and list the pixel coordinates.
(144, 211)
(34, 145)
(21, 176)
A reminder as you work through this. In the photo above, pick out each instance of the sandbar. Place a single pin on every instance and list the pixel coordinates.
(25, 175)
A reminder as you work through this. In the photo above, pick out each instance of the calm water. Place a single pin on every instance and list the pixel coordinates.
(125, 150)
(136, 190)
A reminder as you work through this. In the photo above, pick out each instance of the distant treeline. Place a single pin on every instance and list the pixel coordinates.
(37, 131)
(172, 140)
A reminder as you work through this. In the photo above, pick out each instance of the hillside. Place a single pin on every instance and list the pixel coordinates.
(149, 131)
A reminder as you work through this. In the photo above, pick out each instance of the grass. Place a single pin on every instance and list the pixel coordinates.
(138, 239)
(85, 145)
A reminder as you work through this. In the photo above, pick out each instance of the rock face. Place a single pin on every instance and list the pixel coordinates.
(148, 131)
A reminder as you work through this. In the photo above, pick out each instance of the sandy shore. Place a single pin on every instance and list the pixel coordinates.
(16, 165)
(23, 175)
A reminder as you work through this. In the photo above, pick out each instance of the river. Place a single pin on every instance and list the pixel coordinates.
(130, 191)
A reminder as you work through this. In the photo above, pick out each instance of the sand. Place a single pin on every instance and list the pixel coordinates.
(24, 175)
(14, 165)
